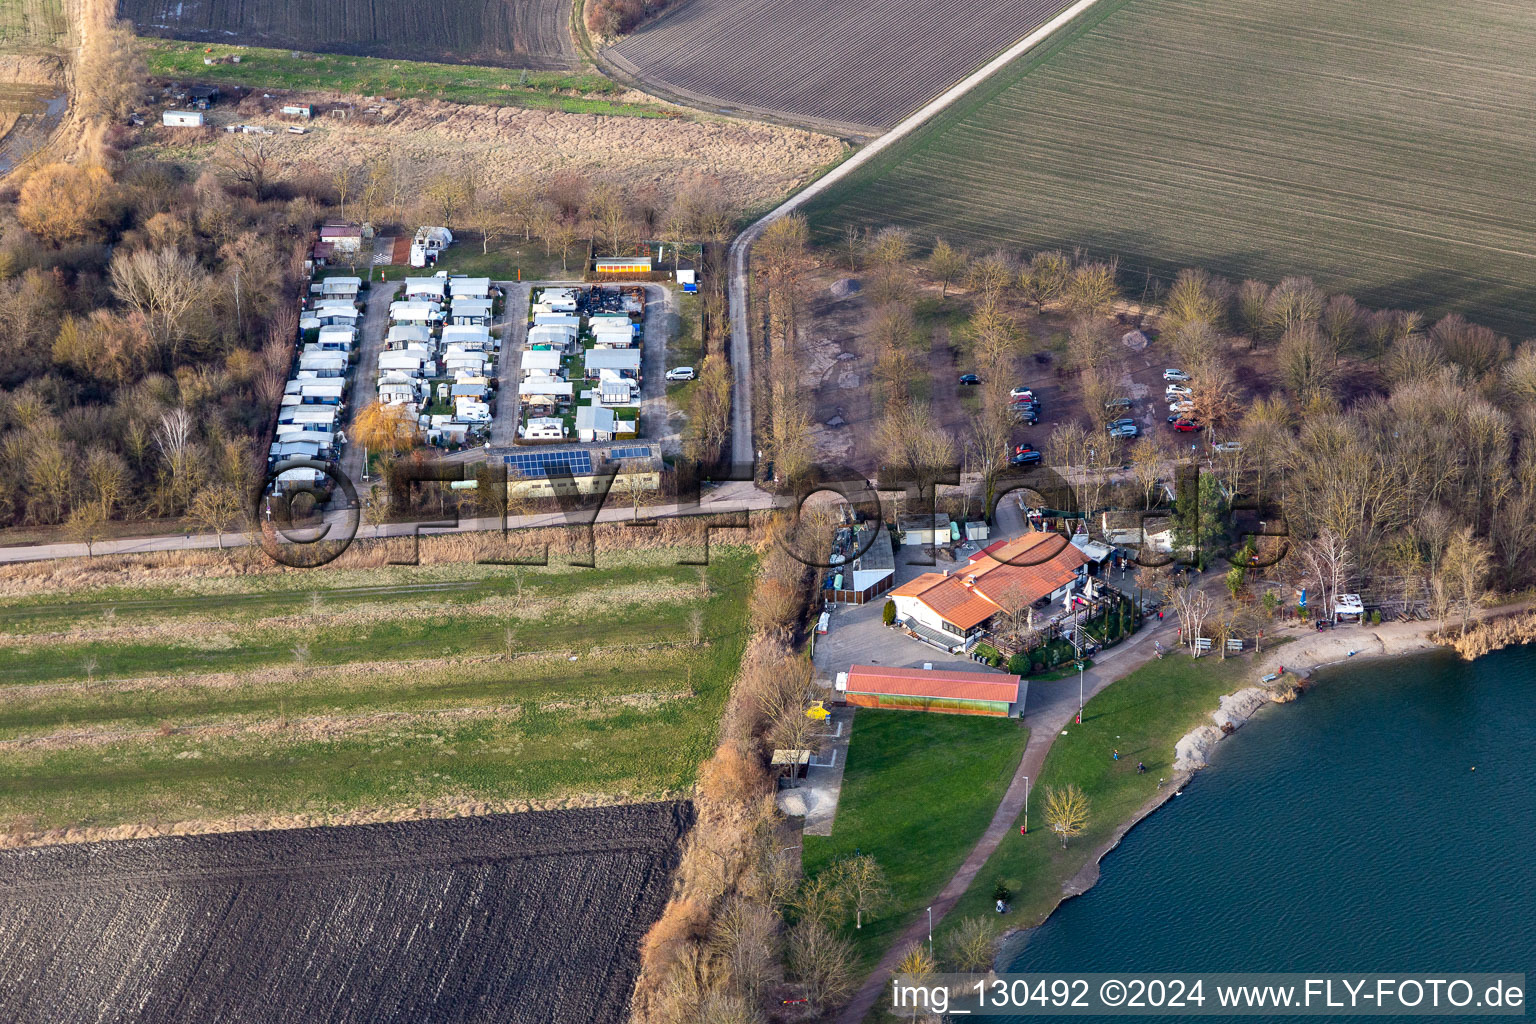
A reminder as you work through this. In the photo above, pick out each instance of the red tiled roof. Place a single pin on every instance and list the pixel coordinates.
(916, 682)
(984, 552)
(1008, 575)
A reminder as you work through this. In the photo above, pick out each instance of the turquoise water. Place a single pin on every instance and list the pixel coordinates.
(1344, 832)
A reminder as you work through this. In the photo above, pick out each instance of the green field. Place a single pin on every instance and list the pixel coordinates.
(1143, 716)
(1380, 146)
(918, 792)
(27, 26)
(573, 92)
(334, 691)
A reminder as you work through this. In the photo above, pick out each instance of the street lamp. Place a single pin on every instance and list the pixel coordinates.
(1026, 805)
(930, 931)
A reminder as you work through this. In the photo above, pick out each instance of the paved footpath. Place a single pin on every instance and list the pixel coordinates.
(1051, 707)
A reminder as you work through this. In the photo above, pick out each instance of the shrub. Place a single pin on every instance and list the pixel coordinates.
(1376, 616)
(888, 616)
(1019, 665)
(986, 652)
(1001, 892)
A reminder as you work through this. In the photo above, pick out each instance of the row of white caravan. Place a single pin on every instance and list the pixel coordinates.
(314, 400)
(463, 351)
(610, 368)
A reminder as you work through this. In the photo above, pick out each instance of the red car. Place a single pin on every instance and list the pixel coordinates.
(1186, 426)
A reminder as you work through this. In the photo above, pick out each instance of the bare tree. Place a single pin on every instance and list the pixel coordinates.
(1328, 563)
(821, 962)
(1066, 811)
(971, 944)
(218, 507)
(255, 161)
(945, 263)
(1464, 572)
(864, 886)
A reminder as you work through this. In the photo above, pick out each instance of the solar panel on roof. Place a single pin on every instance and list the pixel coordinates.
(548, 463)
(630, 453)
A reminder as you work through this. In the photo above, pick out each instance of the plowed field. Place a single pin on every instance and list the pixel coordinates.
(505, 33)
(1381, 147)
(860, 66)
(527, 917)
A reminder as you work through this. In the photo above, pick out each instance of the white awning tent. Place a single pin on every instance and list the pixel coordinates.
(470, 311)
(475, 337)
(415, 312)
(425, 289)
(345, 287)
(405, 333)
(308, 414)
(542, 362)
(398, 394)
(413, 363)
(559, 337)
(556, 320)
(296, 447)
(551, 386)
(470, 287)
(615, 392)
(622, 360)
(324, 363)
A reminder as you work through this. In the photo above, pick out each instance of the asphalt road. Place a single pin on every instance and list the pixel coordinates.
(365, 374)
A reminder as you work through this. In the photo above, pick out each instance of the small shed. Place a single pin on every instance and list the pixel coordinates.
(926, 531)
(182, 118)
(303, 110)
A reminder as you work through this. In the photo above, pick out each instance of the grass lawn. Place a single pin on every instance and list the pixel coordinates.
(1142, 715)
(1258, 139)
(918, 792)
(506, 259)
(574, 92)
(365, 688)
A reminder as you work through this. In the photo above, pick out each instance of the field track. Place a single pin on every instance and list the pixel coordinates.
(1380, 147)
(533, 34)
(858, 67)
(531, 917)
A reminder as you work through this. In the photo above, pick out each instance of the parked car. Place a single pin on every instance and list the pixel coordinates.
(1124, 430)
(1176, 376)
(1025, 415)
(969, 380)
(1177, 390)
(1022, 392)
(1028, 458)
(1227, 446)
(1123, 422)
(1025, 403)
(1117, 403)
(681, 373)
(1181, 406)
(1181, 424)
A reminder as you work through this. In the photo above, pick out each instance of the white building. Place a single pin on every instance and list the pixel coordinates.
(428, 244)
(425, 313)
(544, 428)
(182, 119)
(595, 423)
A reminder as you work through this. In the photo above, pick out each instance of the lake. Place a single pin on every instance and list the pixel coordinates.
(1347, 831)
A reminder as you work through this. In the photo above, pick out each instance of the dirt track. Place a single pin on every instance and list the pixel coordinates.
(529, 917)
